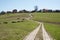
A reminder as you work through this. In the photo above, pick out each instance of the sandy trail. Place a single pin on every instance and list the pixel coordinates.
(39, 33)
(32, 35)
(45, 34)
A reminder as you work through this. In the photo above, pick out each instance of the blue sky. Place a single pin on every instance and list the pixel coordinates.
(6, 5)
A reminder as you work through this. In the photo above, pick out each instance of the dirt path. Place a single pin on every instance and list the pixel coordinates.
(29, 18)
(32, 35)
(45, 34)
(39, 33)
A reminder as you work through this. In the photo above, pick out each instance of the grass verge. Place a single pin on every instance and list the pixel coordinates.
(46, 17)
(53, 30)
(16, 31)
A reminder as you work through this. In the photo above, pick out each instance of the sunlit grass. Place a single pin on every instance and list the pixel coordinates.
(53, 30)
(16, 30)
(49, 17)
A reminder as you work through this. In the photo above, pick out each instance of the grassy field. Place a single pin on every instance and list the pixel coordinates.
(53, 30)
(16, 30)
(48, 18)
(17, 27)
(16, 16)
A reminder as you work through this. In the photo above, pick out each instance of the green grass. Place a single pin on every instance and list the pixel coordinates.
(9, 17)
(53, 30)
(18, 30)
(49, 17)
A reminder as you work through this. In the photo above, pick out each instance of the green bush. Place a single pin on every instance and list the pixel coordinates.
(18, 18)
(5, 22)
(13, 22)
(18, 21)
(23, 19)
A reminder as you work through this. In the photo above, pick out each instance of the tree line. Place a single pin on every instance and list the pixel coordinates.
(25, 11)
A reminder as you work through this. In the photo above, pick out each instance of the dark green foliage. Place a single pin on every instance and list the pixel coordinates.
(14, 11)
(18, 21)
(2, 13)
(18, 18)
(23, 19)
(9, 12)
(5, 22)
(13, 21)
(23, 11)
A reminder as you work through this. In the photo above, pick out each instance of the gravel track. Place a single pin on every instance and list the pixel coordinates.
(39, 33)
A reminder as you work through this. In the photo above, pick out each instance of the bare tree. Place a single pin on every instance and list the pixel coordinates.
(36, 8)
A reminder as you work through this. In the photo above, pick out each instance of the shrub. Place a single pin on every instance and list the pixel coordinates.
(23, 19)
(5, 22)
(18, 21)
(17, 18)
(9, 12)
(13, 22)
(14, 11)
(2, 12)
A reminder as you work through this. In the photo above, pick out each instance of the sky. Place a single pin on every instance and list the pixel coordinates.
(9, 5)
